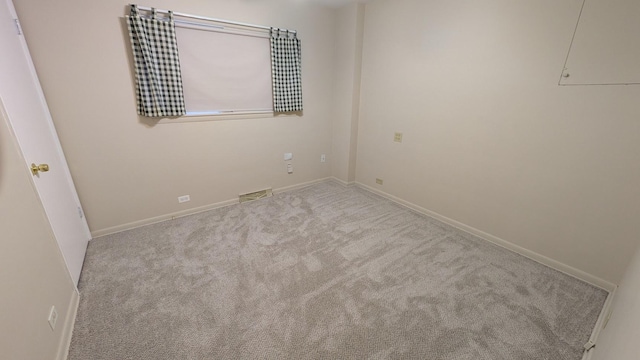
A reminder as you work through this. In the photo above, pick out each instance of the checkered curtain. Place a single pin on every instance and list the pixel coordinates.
(157, 67)
(286, 71)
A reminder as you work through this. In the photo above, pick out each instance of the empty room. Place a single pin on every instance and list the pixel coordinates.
(320, 179)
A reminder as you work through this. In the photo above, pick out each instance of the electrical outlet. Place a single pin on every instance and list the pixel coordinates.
(379, 181)
(289, 168)
(323, 158)
(53, 318)
(288, 156)
(397, 137)
(183, 199)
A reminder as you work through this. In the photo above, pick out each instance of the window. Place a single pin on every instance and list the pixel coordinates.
(225, 70)
(209, 68)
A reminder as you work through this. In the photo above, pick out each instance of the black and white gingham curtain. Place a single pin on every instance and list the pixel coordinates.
(157, 66)
(286, 71)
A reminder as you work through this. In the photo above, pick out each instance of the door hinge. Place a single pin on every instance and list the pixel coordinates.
(18, 27)
(80, 212)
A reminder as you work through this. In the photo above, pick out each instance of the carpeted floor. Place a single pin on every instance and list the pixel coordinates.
(323, 272)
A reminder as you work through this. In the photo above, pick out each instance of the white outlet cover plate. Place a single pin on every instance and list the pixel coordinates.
(288, 156)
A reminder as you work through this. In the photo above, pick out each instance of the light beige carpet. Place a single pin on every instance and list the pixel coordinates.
(324, 272)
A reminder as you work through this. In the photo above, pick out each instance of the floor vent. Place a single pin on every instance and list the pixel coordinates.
(255, 195)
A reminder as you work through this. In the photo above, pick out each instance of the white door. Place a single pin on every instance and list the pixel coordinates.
(29, 116)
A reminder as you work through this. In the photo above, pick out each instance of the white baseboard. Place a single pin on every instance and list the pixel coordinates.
(601, 323)
(157, 219)
(342, 182)
(300, 185)
(554, 264)
(67, 330)
(178, 214)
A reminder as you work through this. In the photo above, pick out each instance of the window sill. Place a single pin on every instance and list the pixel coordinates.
(219, 115)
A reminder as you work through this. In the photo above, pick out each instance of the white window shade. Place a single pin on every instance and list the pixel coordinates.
(224, 72)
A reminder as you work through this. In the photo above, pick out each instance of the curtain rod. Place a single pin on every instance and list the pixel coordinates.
(145, 8)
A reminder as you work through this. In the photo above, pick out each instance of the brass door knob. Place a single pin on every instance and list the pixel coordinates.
(42, 167)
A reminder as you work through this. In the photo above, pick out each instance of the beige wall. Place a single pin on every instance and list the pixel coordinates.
(127, 169)
(33, 276)
(346, 93)
(490, 139)
(619, 339)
